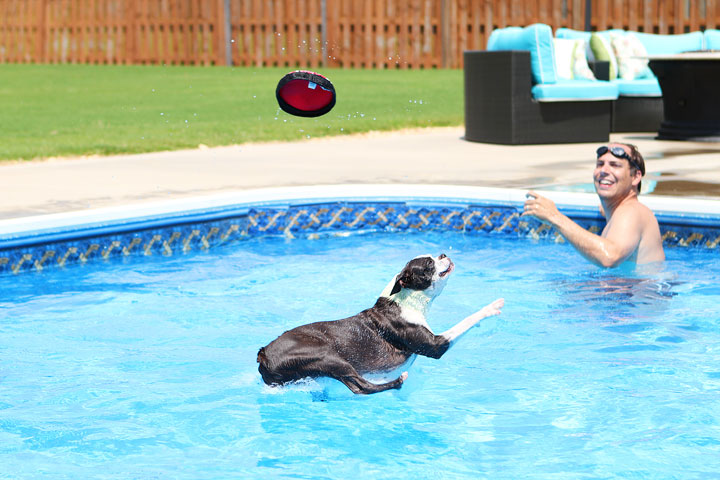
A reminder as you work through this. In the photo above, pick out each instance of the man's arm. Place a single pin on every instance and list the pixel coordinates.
(621, 239)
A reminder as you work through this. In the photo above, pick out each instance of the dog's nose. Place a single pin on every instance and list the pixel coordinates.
(442, 255)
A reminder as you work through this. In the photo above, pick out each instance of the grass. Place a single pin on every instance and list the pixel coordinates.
(68, 110)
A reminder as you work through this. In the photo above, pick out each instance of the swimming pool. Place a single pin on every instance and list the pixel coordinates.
(144, 366)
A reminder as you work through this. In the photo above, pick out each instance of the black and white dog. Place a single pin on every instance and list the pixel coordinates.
(379, 339)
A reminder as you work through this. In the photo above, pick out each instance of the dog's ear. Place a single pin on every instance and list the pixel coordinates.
(397, 287)
(417, 274)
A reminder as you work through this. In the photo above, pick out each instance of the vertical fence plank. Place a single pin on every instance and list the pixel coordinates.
(5, 39)
(694, 19)
(632, 15)
(377, 36)
(390, 31)
(331, 33)
(712, 14)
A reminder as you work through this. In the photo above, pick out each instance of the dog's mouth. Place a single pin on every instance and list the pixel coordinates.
(450, 268)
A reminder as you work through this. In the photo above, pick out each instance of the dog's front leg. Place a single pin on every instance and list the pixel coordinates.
(454, 333)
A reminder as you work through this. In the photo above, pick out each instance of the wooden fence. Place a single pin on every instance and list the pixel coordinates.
(307, 33)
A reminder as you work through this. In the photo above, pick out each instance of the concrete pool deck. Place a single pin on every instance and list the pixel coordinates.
(423, 156)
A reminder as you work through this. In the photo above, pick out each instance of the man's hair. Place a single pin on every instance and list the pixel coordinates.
(637, 163)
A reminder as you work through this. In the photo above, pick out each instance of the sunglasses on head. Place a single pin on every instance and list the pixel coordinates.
(617, 152)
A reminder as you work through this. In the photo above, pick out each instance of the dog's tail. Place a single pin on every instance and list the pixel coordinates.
(264, 369)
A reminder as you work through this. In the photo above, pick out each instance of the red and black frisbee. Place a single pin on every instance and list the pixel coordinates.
(305, 94)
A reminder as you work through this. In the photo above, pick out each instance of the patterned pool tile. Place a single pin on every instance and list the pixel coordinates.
(315, 221)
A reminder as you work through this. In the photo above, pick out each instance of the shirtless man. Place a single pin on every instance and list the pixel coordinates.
(631, 234)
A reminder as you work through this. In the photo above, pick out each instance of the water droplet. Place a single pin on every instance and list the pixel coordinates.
(161, 114)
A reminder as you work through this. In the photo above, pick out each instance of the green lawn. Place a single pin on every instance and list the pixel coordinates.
(63, 110)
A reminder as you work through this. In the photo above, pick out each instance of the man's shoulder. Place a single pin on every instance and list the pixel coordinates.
(632, 213)
(633, 206)
(635, 211)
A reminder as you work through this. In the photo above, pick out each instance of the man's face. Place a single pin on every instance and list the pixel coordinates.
(612, 175)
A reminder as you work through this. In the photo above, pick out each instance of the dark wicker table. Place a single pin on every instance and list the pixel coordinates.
(690, 84)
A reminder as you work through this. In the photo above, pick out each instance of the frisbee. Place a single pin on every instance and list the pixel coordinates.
(305, 94)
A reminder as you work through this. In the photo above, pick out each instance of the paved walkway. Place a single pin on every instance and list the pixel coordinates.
(438, 156)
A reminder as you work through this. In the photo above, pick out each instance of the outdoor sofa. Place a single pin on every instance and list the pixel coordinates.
(514, 94)
(639, 107)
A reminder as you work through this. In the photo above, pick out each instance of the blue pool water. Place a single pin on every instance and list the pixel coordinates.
(146, 369)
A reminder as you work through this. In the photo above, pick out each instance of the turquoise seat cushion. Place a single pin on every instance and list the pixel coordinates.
(538, 40)
(571, 34)
(657, 44)
(575, 90)
(712, 39)
(654, 43)
(582, 34)
(639, 87)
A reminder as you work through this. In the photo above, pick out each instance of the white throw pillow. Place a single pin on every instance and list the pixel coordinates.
(563, 57)
(631, 56)
(570, 59)
(581, 69)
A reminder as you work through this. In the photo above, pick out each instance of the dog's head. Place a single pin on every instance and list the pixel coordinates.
(425, 273)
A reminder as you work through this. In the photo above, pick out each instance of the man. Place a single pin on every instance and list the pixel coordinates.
(631, 233)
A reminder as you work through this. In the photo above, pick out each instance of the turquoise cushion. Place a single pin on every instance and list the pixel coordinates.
(571, 34)
(573, 90)
(657, 44)
(712, 39)
(575, 34)
(640, 87)
(537, 39)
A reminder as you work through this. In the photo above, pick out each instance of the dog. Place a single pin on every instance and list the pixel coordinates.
(381, 339)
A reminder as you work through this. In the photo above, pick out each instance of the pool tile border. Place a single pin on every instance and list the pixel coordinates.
(172, 228)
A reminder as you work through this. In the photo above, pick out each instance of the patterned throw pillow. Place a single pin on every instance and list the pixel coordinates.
(581, 69)
(603, 52)
(570, 60)
(631, 56)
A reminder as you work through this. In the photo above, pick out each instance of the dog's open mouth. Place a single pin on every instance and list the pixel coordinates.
(450, 268)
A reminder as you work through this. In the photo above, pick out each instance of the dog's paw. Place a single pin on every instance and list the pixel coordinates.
(493, 308)
(403, 376)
